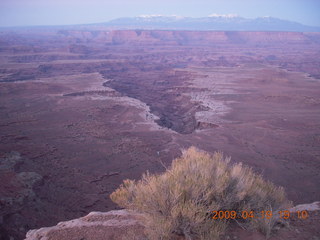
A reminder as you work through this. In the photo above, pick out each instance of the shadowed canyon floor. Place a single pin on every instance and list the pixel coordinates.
(83, 110)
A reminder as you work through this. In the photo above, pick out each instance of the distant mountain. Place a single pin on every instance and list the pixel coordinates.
(213, 22)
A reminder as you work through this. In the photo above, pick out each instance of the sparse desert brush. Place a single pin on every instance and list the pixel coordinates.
(180, 201)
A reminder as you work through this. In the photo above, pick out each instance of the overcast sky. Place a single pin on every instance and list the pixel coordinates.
(60, 12)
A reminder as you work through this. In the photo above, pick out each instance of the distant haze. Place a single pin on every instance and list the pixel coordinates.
(65, 12)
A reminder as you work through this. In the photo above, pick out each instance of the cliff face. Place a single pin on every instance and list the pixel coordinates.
(122, 224)
(193, 37)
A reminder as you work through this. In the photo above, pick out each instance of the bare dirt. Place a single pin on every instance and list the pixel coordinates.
(86, 110)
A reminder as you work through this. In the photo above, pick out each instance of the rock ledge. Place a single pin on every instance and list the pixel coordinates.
(127, 225)
(118, 224)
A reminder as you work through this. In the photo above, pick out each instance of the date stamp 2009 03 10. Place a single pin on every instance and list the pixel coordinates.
(285, 214)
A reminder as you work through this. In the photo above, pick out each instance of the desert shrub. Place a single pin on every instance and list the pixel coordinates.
(180, 201)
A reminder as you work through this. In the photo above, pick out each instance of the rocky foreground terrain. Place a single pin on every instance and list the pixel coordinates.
(83, 110)
(121, 224)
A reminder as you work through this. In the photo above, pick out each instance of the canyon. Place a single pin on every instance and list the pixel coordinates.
(82, 110)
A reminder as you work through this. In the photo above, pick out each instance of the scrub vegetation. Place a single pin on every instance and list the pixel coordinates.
(181, 201)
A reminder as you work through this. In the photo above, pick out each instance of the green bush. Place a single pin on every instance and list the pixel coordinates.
(180, 201)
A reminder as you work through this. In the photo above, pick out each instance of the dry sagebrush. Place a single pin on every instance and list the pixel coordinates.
(179, 201)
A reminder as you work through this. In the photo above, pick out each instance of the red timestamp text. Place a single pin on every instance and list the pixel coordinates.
(284, 214)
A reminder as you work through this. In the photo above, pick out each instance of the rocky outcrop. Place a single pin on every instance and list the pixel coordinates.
(123, 224)
(119, 224)
(205, 125)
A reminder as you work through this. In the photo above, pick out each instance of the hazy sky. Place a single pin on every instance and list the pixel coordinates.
(58, 12)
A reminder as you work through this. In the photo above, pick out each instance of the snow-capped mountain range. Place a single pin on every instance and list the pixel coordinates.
(229, 22)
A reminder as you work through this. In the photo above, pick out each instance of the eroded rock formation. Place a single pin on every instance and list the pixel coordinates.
(83, 105)
(123, 224)
(119, 224)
